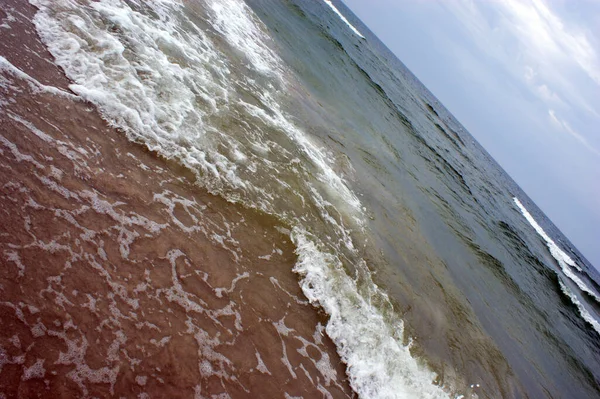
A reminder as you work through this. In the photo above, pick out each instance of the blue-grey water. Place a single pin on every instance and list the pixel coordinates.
(440, 276)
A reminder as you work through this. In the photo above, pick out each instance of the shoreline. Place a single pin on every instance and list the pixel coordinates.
(121, 276)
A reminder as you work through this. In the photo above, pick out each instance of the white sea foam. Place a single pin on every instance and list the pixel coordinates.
(343, 18)
(159, 83)
(378, 364)
(327, 175)
(582, 310)
(146, 74)
(234, 20)
(561, 257)
(36, 86)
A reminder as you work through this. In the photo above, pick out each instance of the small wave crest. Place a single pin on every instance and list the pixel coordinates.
(566, 263)
(368, 340)
(343, 18)
(582, 310)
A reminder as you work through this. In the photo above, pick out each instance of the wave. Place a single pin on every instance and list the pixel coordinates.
(212, 104)
(379, 365)
(343, 18)
(582, 310)
(561, 257)
(565, 263)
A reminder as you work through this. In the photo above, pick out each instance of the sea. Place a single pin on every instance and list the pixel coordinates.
(439, 277)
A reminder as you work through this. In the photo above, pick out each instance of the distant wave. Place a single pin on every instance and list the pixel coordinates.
(566, 263)
(356, 31)
(582, 310)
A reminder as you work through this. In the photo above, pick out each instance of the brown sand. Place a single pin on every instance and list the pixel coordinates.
(119, 276)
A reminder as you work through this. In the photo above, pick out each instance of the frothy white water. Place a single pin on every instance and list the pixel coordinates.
(161, 81)
(561, 257)
(146, 75)
(232, 19)
(566, 263)
(343, 18)
(582, 310)
(558, 253)
(35, 86)
(153, 73)
(379, 365)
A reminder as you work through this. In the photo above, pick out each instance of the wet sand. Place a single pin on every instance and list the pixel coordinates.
(120, 276)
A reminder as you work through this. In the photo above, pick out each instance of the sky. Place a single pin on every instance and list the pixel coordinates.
(523, 77)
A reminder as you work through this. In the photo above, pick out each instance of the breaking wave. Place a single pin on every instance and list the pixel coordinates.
(343, 18)
(566, 263)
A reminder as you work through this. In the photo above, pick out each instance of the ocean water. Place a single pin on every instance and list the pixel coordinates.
(440, 277)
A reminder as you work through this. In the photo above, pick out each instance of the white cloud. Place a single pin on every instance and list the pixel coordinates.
(563, 125)
(545, 34)
(552, 58)
(545, 93)
(529, 74)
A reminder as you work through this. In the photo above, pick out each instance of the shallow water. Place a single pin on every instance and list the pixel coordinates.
(121, 277)
(437, 280)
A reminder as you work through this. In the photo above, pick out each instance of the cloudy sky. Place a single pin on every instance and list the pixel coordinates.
(523, 76)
